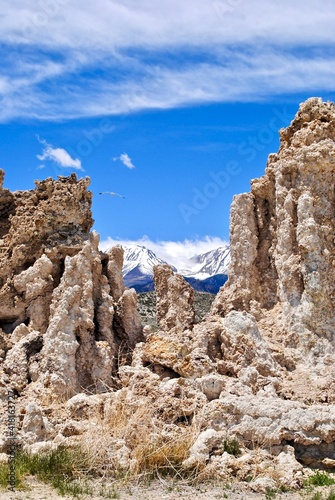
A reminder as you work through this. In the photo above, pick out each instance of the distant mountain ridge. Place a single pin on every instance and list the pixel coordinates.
(209, 264)
(205, 272)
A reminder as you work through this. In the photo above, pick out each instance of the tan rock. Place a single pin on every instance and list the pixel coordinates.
(54, 214)
(201, 449)
(289, 470)
(72, 357)
(18, 360)
(259, 367)
(242, 346)
(282, 233)
(35, 426)
(271, 421)
(82, 406)
(129, 318)
(114, 271)
(176, 346)
(174, 298)
(65, 314)
(36, 284)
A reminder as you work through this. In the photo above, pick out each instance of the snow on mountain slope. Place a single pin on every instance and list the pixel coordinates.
(139, 262)
(138, 265)
(208, 264)
(140, 258)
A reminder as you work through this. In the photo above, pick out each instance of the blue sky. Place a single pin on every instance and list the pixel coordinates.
(173, 104)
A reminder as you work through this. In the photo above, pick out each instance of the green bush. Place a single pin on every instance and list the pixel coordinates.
(320, 479)
(232, 446)
(4, 475)
(269, 494)
(60, 468)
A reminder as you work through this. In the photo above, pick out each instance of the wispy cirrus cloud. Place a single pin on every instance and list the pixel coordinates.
(263, 74)
(125, 159)
(110, 25)
(61, 62)
(58, 155)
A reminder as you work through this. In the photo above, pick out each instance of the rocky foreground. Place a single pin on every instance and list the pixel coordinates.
(247, 393)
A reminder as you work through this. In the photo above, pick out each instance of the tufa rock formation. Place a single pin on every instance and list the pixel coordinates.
(265, 355)
(248, 392)
(64, 316)
(285, 275)
(288, 221)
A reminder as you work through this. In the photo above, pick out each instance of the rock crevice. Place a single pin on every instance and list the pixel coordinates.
(56, 284)
(255, 375)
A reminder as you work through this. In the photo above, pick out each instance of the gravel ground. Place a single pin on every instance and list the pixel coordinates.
(163, 491)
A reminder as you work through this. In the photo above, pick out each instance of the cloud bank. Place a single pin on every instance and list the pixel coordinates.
(176, 253)
(109, 57)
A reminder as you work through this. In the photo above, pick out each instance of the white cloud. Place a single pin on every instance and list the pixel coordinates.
(261, 74)
(186, 52)
(125, 159)
(59, 156)
(110, 24)
(176, 253)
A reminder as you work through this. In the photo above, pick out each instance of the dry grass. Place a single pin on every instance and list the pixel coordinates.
(159, 456)
(134, 443)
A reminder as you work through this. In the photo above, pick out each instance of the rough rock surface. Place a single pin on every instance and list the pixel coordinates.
(285, 275)
(175, 311)
(247, 392)
(173, 349)
(64, 313)
(288, 222)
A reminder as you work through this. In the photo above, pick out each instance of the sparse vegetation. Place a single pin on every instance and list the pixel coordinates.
(269, 494)
(147, 308)
(165, 458)
(108, 492)
(320, 478)
(153, 453)
(232, 446)
(202, 304)
(4, 474)
(319, 496)
(61, 468)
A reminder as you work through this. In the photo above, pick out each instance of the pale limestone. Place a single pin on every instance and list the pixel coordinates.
(114, 271)
(259, 368)
(174, 298)
(35, 426)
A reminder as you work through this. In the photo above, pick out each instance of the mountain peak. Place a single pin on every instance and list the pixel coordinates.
(138, 265)
(139, 262)
(208, 264)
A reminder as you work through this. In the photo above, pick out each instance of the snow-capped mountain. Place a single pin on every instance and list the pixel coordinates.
(205, 272)
(138, 265)
(139, 257)
(208, 264)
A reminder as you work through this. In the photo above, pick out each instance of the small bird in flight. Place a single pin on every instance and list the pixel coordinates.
(113, 194)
